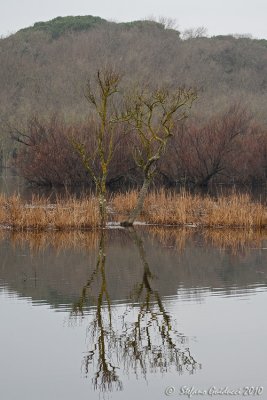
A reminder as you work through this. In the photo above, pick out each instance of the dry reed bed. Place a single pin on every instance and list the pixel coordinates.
(39, 214)
(167, 208)
(161, 208)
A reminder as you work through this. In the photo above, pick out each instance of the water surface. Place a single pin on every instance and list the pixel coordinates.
(124, 313)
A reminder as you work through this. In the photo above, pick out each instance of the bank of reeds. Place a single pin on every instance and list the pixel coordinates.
(39, 214)
(160, 208)
(168, 208)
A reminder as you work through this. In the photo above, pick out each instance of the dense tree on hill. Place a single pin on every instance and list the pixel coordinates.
(60, 25)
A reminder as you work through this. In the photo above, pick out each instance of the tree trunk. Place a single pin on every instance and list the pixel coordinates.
(102, 209)
(139, 205)
(102, 199)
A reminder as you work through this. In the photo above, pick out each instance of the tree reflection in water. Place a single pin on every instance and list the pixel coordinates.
(141, 339)
(101, 335)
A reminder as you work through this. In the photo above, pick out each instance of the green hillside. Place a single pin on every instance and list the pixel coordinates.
(60, 25)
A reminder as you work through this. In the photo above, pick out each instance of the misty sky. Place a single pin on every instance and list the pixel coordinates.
(218, 16)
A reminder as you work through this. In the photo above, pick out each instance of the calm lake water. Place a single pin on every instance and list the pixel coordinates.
(129, 313)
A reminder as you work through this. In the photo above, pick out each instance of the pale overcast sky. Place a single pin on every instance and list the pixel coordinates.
(218, 16)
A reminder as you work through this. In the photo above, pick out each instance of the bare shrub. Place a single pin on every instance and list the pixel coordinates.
(47, 157)
(203, 151)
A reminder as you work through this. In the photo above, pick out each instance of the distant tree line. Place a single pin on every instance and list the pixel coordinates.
(230, 147)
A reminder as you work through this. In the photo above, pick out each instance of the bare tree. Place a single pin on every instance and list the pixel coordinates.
(167, 22)
(97, 163)
(152, 116)
(193, 33)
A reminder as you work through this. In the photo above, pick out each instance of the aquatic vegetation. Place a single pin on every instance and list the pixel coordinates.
(170, 208)
(39, 214)
(160, 208)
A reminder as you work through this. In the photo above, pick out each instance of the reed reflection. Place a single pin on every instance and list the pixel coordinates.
(137, 339)
(234, 240)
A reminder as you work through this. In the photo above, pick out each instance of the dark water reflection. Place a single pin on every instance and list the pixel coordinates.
(11, 183)
(140, 310)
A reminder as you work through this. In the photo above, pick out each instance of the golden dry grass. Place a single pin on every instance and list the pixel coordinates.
(160, 208)
(40, 215)
(168, 208)
(123, 203)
